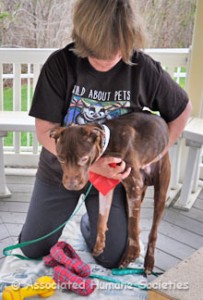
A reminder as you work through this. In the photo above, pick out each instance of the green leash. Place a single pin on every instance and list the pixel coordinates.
(127, 271)
(7, 250)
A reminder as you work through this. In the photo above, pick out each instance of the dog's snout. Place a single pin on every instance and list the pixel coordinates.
(70, 178)
(73, 183)
(72, 186)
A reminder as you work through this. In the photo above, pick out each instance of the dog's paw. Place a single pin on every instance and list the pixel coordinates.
(149, 264)
(130, 255)
(99, 246)
(97, 251)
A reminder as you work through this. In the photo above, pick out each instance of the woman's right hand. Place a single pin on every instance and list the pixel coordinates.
(102, 167)
(43, 130)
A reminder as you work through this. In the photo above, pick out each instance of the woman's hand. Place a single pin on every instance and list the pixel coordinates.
(43, 130)
(102, 167)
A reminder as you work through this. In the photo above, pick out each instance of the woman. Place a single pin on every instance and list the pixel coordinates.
(101, 75)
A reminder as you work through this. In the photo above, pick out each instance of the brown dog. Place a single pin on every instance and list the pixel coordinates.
(136, 138)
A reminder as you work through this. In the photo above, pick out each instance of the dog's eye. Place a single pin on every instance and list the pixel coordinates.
(82, 161)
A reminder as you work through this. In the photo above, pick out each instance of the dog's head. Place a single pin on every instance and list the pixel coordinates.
(77, 149)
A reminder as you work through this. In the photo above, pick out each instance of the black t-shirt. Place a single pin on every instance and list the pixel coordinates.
(69, 90)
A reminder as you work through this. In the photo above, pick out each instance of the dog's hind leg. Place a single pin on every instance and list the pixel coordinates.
(160, 191)
(134, 191)
(104, 209)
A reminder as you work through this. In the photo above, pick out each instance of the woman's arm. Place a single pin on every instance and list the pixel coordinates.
(42, 130)
(175, 127)
(102, 165)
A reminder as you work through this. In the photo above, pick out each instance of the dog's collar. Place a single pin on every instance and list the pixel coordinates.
(106, 138)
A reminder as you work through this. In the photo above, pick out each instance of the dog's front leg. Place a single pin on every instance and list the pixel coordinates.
(104, 209)
(134, 198)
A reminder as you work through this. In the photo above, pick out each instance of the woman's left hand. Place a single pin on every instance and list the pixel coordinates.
(103, 167)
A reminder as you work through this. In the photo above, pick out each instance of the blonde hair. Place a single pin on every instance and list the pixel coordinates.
(101, 28)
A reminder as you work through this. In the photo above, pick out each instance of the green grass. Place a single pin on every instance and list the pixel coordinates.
(26, 138)
(182, 80)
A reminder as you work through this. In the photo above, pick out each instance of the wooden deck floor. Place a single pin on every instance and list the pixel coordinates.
(180, 233)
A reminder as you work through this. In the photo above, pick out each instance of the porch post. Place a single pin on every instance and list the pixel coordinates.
(195, 76)
(4, 191)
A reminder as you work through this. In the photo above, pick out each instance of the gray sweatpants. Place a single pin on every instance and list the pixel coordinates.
(52, 205)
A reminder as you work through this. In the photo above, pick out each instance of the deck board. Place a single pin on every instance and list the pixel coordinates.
(13, 217)
(195, 214)
(13, 206)
(20, 188)
(175, 232)
(17, 197)
(180, 233)
(184, 221)
(5, 243)
(165, 261)
(170, 246)
(13, 229)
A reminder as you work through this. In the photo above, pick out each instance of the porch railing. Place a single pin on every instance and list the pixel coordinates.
(19, 71)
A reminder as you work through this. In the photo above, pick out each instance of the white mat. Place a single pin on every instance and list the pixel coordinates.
(25, 272)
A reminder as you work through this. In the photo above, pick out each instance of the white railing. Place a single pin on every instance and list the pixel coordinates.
(20, 68)
(19, 71)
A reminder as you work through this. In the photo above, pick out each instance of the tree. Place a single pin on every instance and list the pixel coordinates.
(170, 23)
(37, 23)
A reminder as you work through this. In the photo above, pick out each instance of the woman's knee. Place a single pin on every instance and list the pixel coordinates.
(38, 249)
(33, 252)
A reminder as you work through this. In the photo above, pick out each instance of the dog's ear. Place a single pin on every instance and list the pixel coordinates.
(98, 131)
(56, 132)
(94, 134)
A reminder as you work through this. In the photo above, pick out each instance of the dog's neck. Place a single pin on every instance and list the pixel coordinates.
(106, 139)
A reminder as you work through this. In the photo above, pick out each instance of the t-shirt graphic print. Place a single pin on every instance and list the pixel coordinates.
(84, 110)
